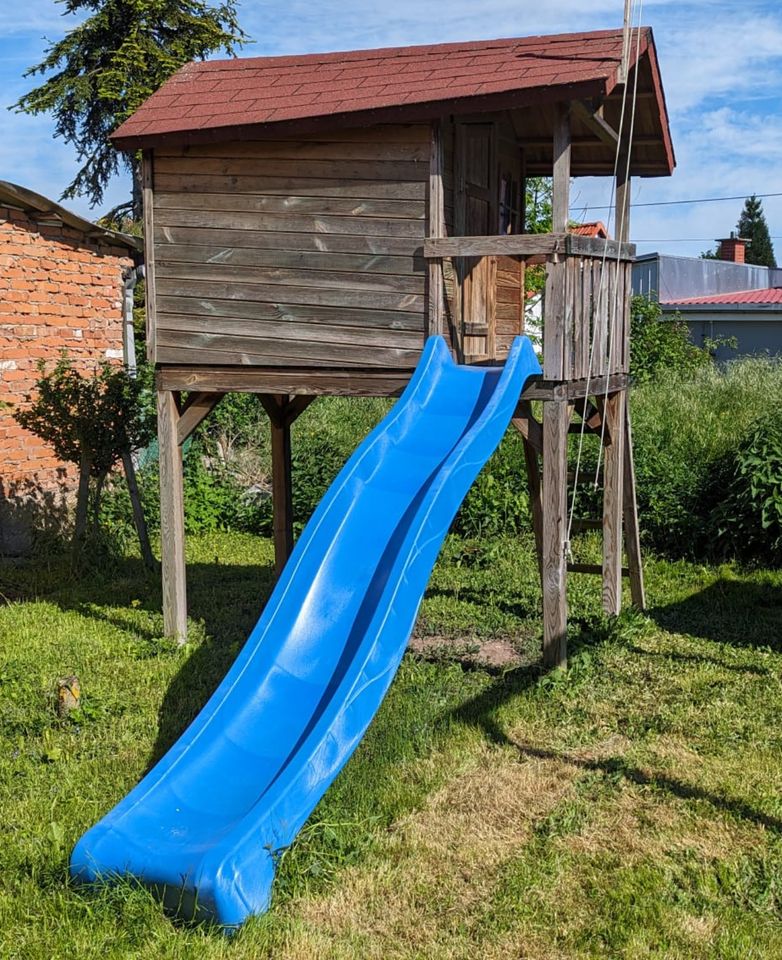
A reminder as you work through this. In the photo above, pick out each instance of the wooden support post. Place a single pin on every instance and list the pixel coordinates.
(630, 510)
(282, 410)
(532, 440)
(560, 195)
(172, 518)
(555, 426)
(436, 289)
(613, 484)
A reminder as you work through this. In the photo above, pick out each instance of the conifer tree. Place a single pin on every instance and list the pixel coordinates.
(752, 226)
(108, 64)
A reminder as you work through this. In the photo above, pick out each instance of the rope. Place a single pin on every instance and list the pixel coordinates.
(620, 233)
(597, 301)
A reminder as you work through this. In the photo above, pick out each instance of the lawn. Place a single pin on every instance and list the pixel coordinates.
(629, 808)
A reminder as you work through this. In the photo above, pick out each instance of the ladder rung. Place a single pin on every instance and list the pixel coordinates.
(584, 523)
(476, 329)
(595, 568)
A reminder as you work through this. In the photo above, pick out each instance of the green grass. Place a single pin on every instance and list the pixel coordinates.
(631, 807)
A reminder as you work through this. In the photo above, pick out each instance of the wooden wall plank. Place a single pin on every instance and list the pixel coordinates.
(302, 234)
(281, 240)
(147, 186)
(272, 293)
(394, 170)
(305, 205)
(286, 186)
(287, 276)
(370, 319)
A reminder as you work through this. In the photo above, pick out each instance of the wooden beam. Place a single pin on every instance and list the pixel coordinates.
(436, 291)
(139, 520)
(172, 519)
(631, 525)
(560, 190)
(595, 122)
(147, 189)
(527, 245)
(540, 389)
(197, 407)
(530, 428)
(614, 411)
(555, 424)
(282, 411)
(292, 381)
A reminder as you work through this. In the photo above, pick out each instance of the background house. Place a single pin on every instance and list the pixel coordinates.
(718, 299)
(61, 289)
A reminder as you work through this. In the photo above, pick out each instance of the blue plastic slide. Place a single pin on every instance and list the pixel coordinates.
(206, 825)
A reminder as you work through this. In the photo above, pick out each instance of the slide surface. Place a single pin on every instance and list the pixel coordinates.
(206, 825)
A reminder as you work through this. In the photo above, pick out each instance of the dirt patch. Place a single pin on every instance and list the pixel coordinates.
(496, 654)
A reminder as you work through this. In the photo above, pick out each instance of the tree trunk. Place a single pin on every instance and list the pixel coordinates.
(138, 192)
(82, 503)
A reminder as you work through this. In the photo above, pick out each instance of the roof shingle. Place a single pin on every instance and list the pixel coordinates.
(260, 90)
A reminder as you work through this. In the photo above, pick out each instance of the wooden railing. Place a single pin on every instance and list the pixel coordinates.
(586, 320)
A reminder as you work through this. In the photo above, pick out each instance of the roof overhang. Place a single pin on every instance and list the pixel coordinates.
(40, 207)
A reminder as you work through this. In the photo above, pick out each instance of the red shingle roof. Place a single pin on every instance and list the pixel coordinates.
(268, 90)
(595, 228)
(769, 295)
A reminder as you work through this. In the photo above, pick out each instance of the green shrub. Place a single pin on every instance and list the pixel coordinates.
(747, 520)
(661, 347)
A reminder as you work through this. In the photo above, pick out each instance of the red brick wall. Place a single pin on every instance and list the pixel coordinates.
(58, 291)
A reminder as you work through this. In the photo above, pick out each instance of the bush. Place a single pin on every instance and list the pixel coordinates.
(659, 348)
(748, 519)
(686, 432)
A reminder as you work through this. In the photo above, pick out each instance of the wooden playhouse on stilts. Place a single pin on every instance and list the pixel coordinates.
(309, 220)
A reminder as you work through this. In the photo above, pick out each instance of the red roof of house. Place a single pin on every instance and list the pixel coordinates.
(383, 84)
(595, 228)
(769, 295)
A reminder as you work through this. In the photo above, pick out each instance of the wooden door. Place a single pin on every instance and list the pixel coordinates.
(476, 215)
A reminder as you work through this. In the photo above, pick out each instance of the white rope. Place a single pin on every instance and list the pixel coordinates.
(620, 233)
(597, 300)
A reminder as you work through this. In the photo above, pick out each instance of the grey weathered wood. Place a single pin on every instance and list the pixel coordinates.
(139, 520)
(527, 244)
(238, 349)
(282, 410)
(436, 292)
(560, 189)
(300, 206)
(294, 276)
(613, 485)
(595, 122)
(553, 320)
(325, 330)
(415, 229)
(315, 241)
(594, 568)
(630, 514)
(290, 380)
(197, 407)
(322, 148)
(311, 260)
(172, 519)
(394, 170)
(554, 495)
(287, 186)
(208, 308)
(147, 187)
(539, 389)
(273, 293)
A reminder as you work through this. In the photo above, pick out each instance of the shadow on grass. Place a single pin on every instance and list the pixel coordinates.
(742, 613)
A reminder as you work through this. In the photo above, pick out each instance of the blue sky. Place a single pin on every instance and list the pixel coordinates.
(721, 64)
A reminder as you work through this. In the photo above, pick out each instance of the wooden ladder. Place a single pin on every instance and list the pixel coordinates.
(619, 475)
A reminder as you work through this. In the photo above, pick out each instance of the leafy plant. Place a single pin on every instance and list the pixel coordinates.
(89, 421)
(109, 64)
(748, 519)
(660, 346)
